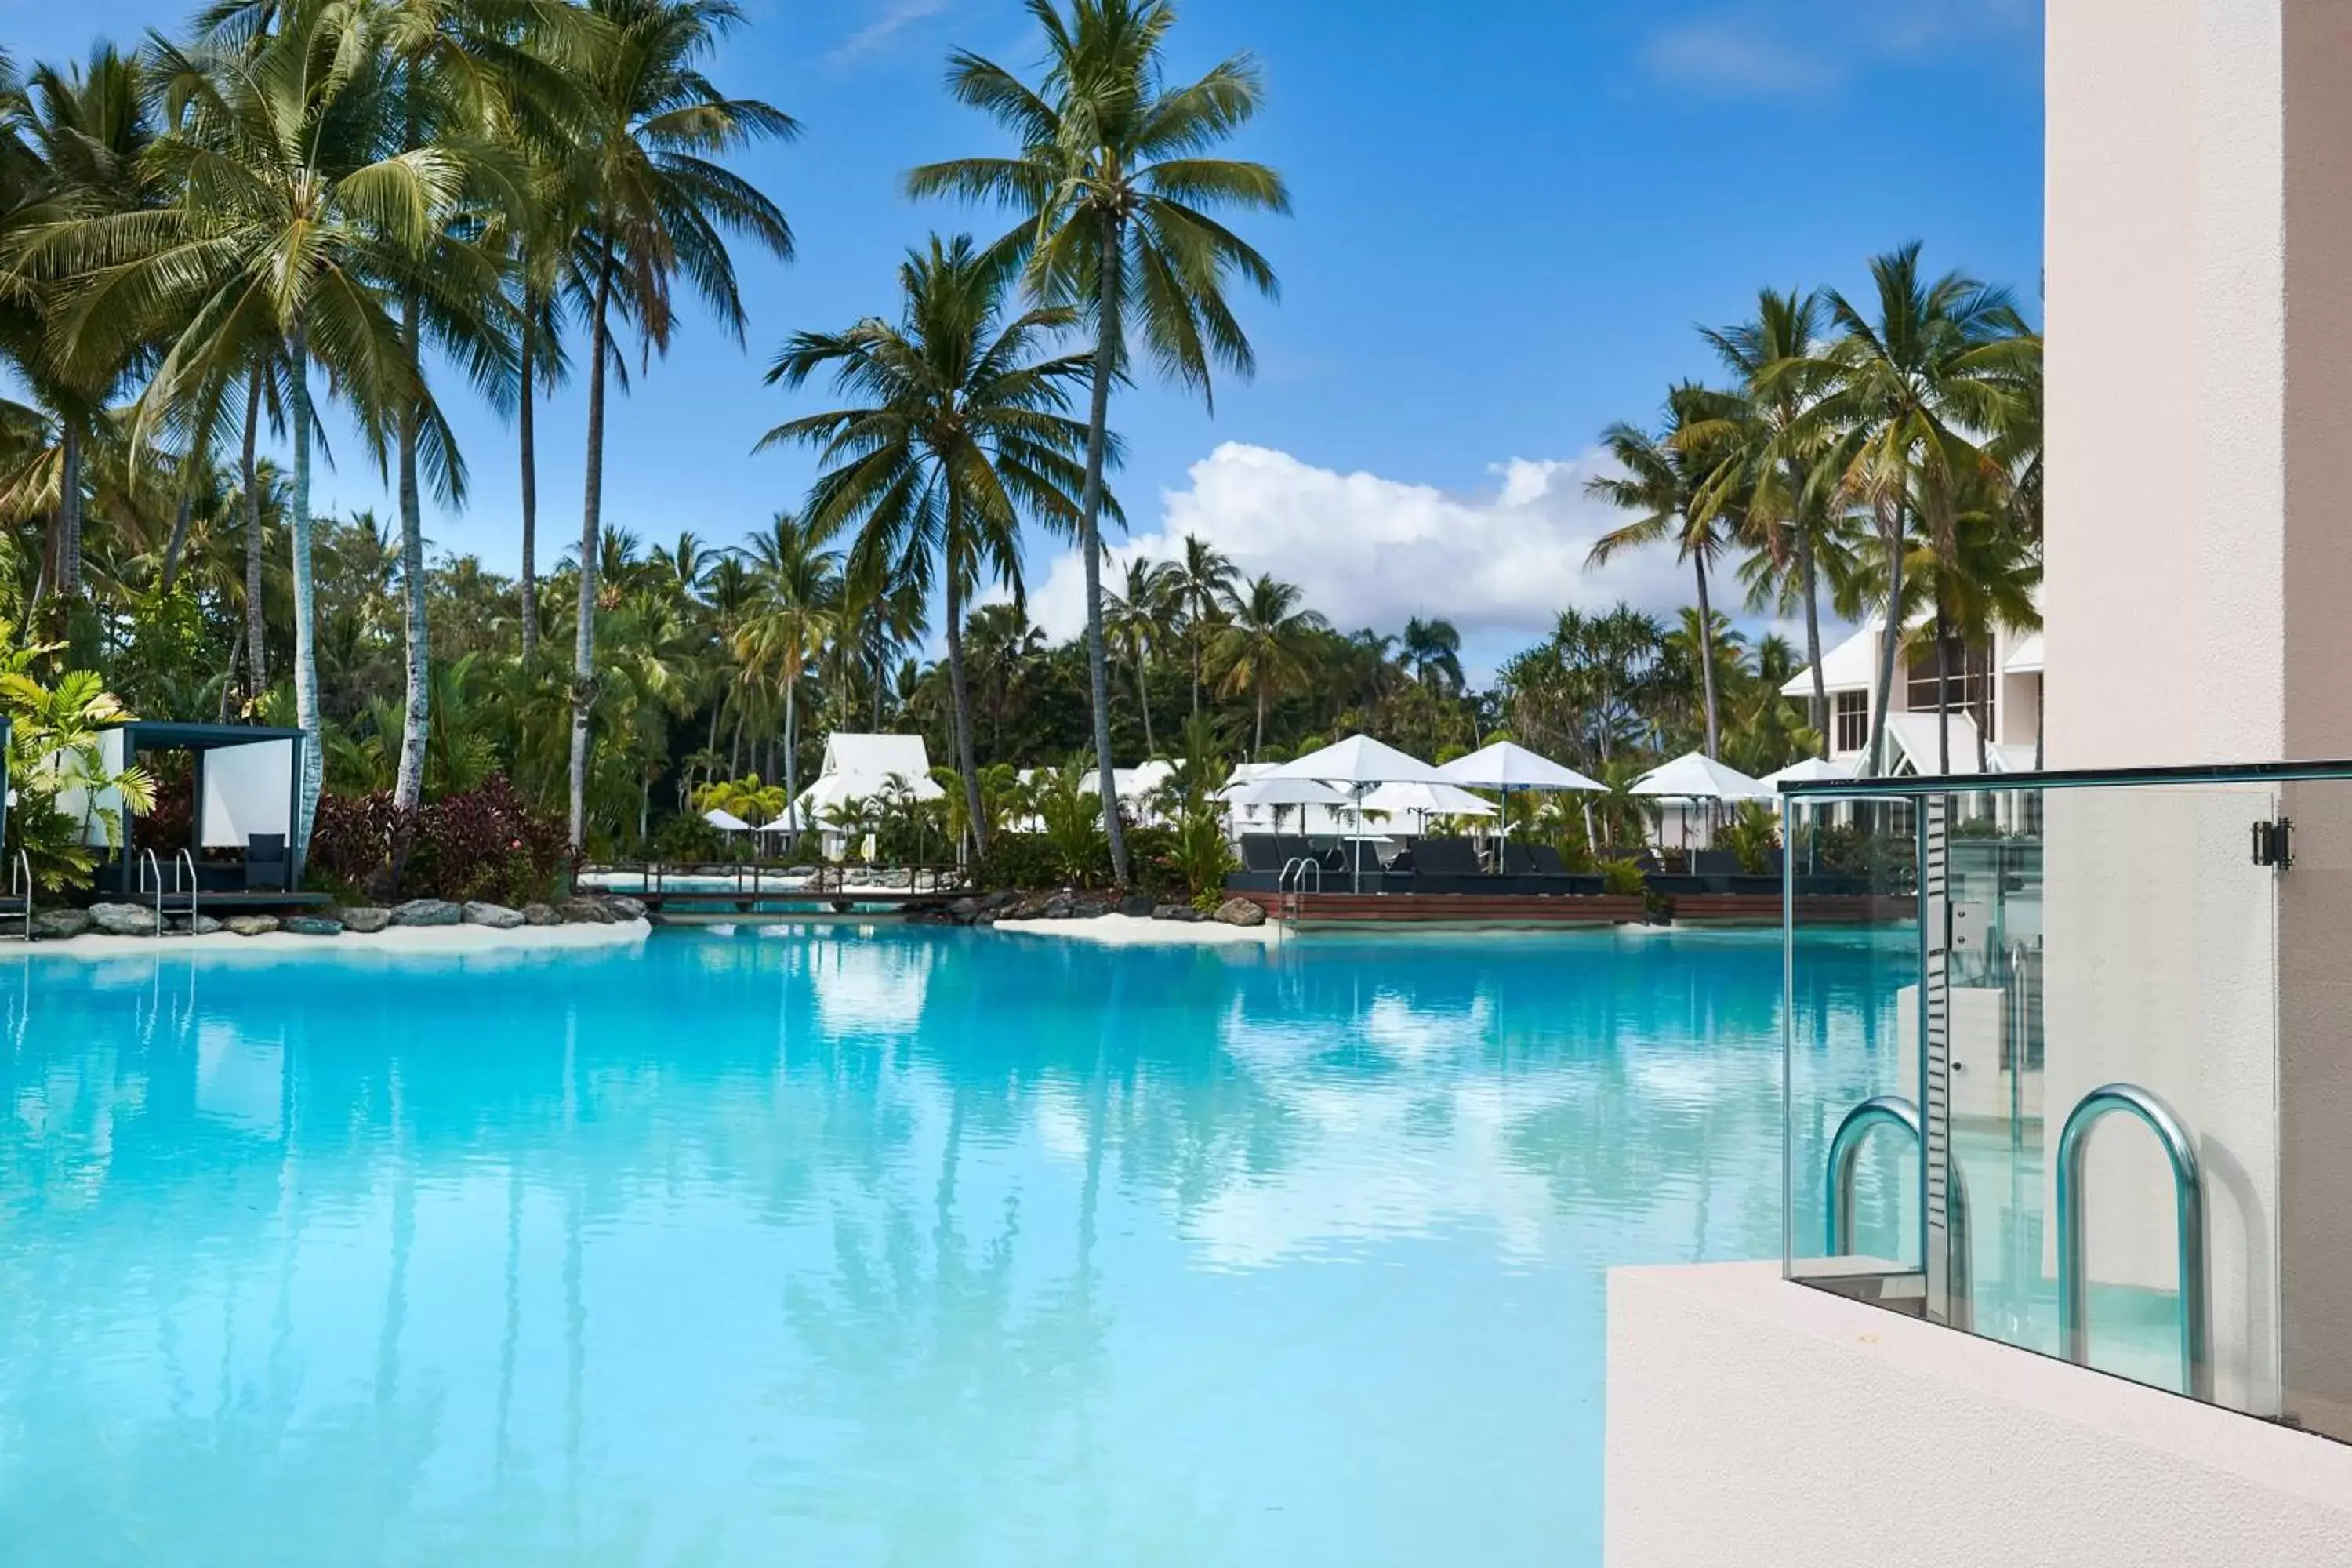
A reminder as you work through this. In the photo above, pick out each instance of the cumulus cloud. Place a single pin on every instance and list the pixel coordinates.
(1372, 551)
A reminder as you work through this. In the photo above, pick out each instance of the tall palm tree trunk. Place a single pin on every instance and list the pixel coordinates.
(306, 646)
(1943, 692)
(1257, 738)
(527, 439)
(1811, 582)
(791, 748)
(1143, 701)
(408, 783)
(1707, 657)
(176, 546)
(960, 699)
(1090, 541)
(257, 628)
(592, 518)
(69, 514)
(1890, 531)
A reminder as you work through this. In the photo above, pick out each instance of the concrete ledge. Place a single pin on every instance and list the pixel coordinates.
(1755, 1421)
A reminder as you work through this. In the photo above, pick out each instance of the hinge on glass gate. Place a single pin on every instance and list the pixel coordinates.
(2275, 842)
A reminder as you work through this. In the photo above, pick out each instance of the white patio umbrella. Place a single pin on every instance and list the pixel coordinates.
(1811, 769)
(1425, 801)
(1360, 762)
(1506, 765)
(1695, 776)
(1278, 792)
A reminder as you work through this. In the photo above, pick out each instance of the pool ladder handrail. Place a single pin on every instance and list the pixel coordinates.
(2189, 1223)
(20, 886)
(1291, 884)
(1845, 1153)
(147, 864)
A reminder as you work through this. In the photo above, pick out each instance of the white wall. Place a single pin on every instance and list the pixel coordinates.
(1755, 1421)
(246, 789)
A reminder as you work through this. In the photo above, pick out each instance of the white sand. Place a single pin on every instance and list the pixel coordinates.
(458, 939)
(1137, 931)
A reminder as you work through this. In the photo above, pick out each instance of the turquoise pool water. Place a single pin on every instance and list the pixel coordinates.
(844, 1246)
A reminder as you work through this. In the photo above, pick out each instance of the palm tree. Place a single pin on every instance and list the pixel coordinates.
(84, 133)
(797, 613)
(1664, 478)
(1116, 200)
(285, 221)
(1136, 621)
(1773, 453)
(960, 429)
(1431, 650)
(1903, 394)
(653, 203)
(1267, 644)
(1204, 580)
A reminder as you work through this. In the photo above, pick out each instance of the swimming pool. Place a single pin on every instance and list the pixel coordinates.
(843, 1246)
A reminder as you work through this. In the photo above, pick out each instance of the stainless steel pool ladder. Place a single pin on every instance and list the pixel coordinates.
(1845, 1151)
(2188, 1221)
(1292, 885)
(148, 866)
(20, 886)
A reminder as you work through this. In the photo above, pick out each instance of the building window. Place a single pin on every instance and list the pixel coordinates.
(1852, 721)
(1972, 688)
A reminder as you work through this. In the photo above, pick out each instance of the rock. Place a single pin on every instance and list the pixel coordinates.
(203, 925)
(60, 923)
(966, 909)
(1059, 907)
(585, 913)
(252, 925)
(623, 908)
(1240, 913)
(498, 917)
(311, 925)
(427, 912)
(1184, 912)
(124, 919)
(540, 915)
(363, 919)
(1140, 905)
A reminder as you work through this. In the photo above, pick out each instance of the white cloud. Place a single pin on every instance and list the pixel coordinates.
(1374, 552)
(1794, 47)
(892, 17)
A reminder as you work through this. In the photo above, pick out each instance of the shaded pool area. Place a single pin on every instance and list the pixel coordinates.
(848, 1245)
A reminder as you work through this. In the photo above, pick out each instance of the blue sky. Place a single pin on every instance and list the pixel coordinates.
(1510, 213)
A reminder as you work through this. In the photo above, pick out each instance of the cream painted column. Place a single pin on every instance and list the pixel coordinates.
(2200, 603)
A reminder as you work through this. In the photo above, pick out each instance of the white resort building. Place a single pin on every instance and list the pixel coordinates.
(1996, 700)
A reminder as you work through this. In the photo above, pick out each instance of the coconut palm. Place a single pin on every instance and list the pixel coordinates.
(960, 429)
(1431, 651)
(1115, 197)
(1267, 646)
(1137, 620)
(1665, 478)
(1908, 392)
(286, 222)
(654, 203)
(1204, 580)
(796, 614)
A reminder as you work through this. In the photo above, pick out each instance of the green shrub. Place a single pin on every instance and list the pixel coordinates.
(1020, 860)
(1622, 877)
(1752, 835)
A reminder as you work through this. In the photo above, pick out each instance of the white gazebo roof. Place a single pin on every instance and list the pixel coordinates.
(1852, 666)
(1506, 765)
(1694, 775)
(726, 821)
(1360, 760)
(1133, 783)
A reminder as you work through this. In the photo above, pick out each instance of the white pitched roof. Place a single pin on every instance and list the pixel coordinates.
(1852, 666)
(870, 759)
(2026, 659)
(1133, 783)
(1917, 740)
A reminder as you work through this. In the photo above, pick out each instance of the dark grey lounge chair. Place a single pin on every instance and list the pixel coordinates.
(268, 868)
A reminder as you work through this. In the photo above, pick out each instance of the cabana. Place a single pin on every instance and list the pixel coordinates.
(861, 767)
(244, 780)
(1697, 785)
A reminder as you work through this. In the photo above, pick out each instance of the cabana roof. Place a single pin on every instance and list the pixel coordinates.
(170, 735)
(875, 757)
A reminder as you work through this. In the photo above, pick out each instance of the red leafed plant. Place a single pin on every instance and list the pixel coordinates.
(482, 843)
